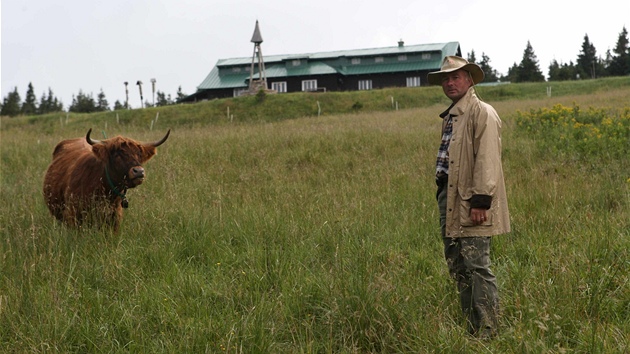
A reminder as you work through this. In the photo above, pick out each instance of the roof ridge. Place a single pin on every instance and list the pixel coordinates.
(320, 55)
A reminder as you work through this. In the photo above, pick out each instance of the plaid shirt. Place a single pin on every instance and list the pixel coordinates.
(442, 157)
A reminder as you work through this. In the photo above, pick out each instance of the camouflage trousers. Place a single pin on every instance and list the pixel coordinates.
(468, 260)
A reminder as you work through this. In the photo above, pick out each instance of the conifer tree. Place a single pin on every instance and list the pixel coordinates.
(528, 69)
(44, 104)
(491, 75)
(102, 105)
(471, 57)
(180, 95)
(57, 105)
(49, 104)
(82, 103)
(29, 107)
(512, 74)
(587, 60)
(11, 104)
(620, 61)
(118, 105)
(561, 71)
(162, 99)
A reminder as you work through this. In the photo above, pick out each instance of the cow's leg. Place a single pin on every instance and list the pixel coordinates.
(110, 217)
(71, 215)
(117, 218)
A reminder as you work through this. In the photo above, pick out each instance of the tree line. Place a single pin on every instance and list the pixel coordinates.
(12, 104)
(588, 65)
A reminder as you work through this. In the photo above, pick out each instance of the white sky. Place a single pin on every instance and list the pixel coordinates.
(91, 45)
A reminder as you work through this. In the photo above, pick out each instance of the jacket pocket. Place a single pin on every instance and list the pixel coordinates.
(464, 215)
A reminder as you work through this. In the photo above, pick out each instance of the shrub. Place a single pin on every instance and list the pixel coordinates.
(260, 96)
(357, 106)
(579, 133)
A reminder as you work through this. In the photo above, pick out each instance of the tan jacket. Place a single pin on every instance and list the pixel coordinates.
(475, 174)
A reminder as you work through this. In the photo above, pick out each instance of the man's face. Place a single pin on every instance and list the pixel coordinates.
(456, 84)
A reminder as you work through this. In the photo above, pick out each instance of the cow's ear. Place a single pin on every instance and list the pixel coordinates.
(148, 152)
(100, 150)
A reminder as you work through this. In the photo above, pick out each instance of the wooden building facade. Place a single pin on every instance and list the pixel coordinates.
(348, 70)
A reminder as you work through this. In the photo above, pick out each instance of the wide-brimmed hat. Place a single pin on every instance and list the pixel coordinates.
(453, 63)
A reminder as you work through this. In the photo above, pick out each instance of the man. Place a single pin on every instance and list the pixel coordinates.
(471, 191)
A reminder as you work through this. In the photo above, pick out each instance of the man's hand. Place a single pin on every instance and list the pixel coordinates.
(478, 216)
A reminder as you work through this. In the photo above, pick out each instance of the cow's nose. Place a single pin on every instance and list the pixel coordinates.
(137, 172)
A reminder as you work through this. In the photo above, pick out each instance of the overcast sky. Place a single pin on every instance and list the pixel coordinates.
(94, 45)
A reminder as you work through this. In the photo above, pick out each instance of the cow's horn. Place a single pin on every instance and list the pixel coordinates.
(161, 141)
(90, 140)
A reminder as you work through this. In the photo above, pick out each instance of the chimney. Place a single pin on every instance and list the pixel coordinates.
(401, 43)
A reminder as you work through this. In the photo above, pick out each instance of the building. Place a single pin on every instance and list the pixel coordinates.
(346, 70)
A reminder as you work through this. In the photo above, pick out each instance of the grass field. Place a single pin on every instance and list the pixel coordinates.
(283, 231)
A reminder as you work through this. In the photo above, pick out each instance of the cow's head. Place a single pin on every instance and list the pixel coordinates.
(123, 157)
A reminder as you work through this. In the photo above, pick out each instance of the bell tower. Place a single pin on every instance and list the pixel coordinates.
(257, 62)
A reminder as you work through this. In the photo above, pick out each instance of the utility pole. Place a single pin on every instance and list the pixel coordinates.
(139, 83)
(153, 86)
(126, 95)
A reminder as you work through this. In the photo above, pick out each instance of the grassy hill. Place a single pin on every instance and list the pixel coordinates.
(288, 227)
(272, 108)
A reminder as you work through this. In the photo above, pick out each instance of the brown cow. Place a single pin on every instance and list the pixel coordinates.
(88, 179)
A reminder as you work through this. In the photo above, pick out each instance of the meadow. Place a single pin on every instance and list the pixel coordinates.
(307, 223)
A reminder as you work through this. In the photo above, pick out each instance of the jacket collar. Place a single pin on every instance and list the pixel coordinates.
(445, 113)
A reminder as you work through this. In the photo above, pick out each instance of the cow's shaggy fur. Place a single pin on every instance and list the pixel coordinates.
(87, 180)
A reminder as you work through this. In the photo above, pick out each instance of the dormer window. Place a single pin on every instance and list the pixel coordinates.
(379, 59)
(296, 62)
(355, 61)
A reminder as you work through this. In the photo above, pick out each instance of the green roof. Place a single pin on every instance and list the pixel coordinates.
(234, 72)
(315, 68)
(391, 68)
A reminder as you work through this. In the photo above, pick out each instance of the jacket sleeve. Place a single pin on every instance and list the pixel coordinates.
(487, 156)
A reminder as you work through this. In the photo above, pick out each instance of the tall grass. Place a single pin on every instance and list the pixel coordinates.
(315, 234)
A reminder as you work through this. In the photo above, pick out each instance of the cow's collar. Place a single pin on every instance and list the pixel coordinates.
(122, 196)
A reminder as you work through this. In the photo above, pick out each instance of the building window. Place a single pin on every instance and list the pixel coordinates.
(296, 62)
(279, 87)
(426, 56)
(365, 84)
(236, 69)
(309, 85)
(239, 91)
(413, 81)
(379, 59)
(402, 57)
(356, 61)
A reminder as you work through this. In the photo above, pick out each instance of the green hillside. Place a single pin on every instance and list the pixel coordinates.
(271, 108)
